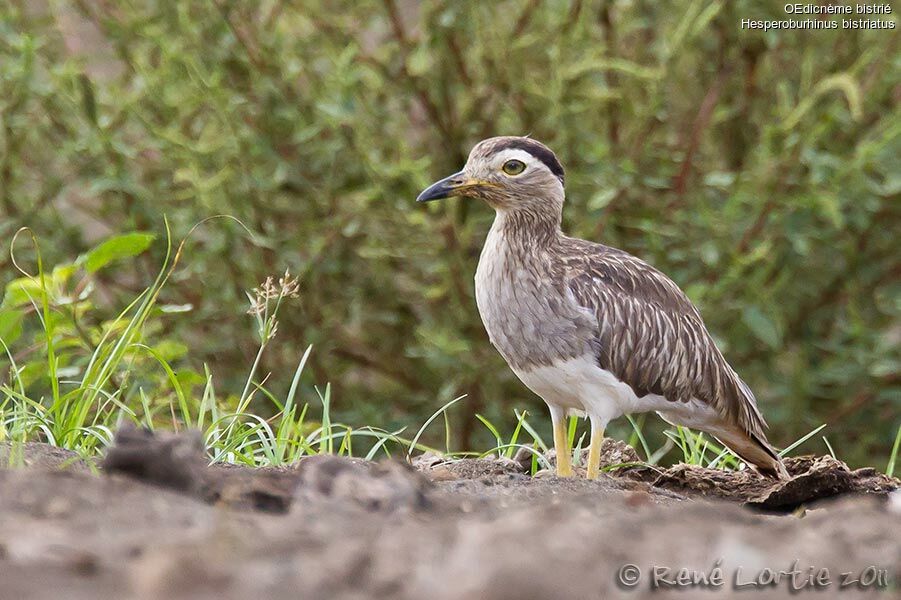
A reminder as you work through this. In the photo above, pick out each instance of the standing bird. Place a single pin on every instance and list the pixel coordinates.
(591, 329)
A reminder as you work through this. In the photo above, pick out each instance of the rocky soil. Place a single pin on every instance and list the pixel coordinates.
(153, 521)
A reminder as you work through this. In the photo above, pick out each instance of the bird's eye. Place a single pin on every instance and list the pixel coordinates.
(514, 167)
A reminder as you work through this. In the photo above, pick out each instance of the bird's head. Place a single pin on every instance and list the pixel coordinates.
(509, 173)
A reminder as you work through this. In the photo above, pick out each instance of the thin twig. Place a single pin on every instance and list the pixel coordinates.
(525, 18)
(698, 127)
(610, 76)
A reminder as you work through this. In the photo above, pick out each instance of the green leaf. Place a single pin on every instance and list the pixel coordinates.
(10, 325)
(115, 248)
(762, 326)
(21, 291)
(31, 372)
(188, 379)
(170, 350)
(88, 101)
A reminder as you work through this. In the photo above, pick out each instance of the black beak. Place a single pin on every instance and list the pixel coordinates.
(447, 187)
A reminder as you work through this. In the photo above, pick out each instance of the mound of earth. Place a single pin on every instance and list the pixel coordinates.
(153, 521)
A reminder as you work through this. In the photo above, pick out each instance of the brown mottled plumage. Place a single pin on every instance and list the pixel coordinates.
(589, 328)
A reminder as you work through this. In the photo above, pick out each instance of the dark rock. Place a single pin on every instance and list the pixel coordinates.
(817, 478)
(168, 460)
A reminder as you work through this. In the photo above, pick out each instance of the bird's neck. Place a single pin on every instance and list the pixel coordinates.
(527, 228)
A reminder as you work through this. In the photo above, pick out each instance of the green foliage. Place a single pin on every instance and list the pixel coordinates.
(74, 384)
(122, 246)
(760, 170)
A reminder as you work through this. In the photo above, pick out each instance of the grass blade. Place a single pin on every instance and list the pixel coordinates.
(890, 467)
(429, 422)
(802, 440)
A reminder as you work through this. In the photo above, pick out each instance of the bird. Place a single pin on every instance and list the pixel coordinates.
(591, 329)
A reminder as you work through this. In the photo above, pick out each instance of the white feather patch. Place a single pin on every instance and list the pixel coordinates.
(580, 386)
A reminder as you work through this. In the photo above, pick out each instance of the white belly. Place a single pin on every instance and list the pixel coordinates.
(580, 386)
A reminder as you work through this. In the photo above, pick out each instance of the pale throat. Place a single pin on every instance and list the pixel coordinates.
(531, 224)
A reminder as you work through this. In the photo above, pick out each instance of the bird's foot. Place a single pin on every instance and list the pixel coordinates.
(549, 473)
(567, 471)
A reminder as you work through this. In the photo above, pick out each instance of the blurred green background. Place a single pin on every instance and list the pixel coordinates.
(761, 171)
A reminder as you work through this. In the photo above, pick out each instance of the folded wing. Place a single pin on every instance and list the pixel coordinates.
(652, 337)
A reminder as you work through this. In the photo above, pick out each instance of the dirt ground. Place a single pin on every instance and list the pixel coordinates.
(152, 521)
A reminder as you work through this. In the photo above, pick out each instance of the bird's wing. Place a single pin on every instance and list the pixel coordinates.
(651, 336)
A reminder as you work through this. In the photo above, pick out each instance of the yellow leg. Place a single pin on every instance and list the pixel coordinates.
(594, 452)
(564, 462)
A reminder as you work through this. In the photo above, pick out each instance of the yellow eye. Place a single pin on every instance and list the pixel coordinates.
(514, 167)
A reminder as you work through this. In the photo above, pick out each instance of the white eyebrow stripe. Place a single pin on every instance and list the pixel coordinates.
(515, 153)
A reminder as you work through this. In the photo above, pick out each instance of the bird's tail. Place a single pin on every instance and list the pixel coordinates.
(752, 448)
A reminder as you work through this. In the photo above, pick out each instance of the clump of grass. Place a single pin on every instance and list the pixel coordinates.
(507, 449)
(73, 413)
(72, 388)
